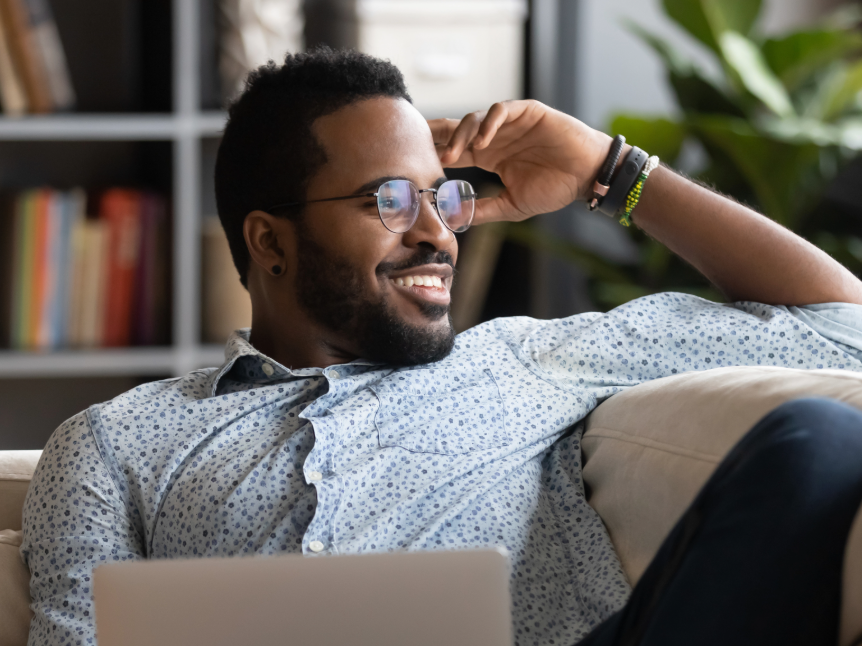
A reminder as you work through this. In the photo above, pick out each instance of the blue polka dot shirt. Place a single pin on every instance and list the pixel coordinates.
(480, 449)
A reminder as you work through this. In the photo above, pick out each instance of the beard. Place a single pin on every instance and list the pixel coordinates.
(332, 293)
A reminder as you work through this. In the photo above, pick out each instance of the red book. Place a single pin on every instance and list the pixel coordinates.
(41, 205)
(121, 211)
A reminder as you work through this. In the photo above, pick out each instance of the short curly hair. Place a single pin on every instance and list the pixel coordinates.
(268, 153)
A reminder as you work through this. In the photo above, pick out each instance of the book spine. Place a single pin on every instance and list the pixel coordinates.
(121, 209)
(13, 96)
(40, 230)
(73, 212)
(53, 214)
(50, 49)
(93, 287)
(76, 291)
(28, 216)
(26, 56)
(142, 332)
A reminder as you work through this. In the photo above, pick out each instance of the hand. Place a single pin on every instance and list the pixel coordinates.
(545, 158)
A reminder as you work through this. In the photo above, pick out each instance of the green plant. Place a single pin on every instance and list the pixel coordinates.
(777, 123)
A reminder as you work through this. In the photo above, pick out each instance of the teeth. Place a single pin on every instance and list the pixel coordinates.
(419, 281)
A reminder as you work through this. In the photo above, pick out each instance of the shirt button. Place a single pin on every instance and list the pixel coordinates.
(267, 369)
(333, 374)
(315, 546)
(315, 476)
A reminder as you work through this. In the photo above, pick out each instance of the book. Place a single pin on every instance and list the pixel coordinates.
(51, 242)
(22, 278)
(93, 283)
(7, 264)
(13, 96)
(49, 48)
(149, 311)
(75, 311)
(25, 54)
(73, 205)
(121, 211)
(39, 242)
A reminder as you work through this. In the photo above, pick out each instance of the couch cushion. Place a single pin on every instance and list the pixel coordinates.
(14, 591)
(650, 449)
(16, 469)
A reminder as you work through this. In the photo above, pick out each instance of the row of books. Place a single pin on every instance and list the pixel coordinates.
(79, 280)
(34, 76)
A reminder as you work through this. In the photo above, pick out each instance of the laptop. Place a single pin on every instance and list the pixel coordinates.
(456, 598)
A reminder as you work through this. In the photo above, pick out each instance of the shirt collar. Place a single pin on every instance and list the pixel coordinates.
(259, 368)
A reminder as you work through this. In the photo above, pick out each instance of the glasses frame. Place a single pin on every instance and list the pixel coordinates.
(433, 192)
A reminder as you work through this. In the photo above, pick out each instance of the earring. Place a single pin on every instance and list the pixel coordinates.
(276, 269)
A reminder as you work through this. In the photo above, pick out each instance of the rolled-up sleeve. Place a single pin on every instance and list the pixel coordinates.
(74, 520)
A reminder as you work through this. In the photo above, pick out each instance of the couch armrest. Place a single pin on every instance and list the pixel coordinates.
(16, 470)
(649, 450)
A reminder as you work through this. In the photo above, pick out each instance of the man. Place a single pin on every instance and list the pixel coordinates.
(350, 418)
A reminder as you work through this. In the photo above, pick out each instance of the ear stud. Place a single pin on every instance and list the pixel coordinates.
(276, 269)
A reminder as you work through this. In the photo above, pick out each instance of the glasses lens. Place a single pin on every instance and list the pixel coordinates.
(398, 203)
(456, 202)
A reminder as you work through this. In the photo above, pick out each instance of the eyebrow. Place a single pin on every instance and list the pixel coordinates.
(374, 184)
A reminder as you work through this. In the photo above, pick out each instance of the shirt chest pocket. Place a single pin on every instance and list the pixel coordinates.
(441, 411)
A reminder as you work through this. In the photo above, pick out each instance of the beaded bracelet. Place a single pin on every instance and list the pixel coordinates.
(634, 195)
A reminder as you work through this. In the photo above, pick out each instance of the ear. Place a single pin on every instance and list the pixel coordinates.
(268, 239)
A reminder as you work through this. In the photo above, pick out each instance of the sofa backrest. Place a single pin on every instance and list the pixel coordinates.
(16, 469)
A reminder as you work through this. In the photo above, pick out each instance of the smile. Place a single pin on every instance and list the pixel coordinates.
(431, 289)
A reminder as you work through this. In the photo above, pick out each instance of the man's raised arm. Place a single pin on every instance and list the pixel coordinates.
(548, 159)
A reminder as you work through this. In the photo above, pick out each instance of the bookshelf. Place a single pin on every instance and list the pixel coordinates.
(181, 135)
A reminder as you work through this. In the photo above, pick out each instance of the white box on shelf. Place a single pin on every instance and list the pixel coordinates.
(456, 56)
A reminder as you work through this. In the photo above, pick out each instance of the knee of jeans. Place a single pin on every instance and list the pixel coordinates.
(830, 425)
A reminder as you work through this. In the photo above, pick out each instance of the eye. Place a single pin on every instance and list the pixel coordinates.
(390, 203)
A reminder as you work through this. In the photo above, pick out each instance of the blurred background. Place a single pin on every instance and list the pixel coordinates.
(113, 267)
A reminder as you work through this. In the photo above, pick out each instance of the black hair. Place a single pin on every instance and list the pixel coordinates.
(268, 153)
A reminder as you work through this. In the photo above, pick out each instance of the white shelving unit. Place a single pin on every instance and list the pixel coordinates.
(185, 128)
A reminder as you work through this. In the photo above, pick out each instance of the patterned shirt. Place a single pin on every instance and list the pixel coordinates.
(479, 449)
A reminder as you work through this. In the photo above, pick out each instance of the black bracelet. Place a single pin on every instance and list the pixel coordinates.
(600, 188)
(623, 182)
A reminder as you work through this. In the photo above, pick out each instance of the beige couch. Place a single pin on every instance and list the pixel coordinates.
(647, 450)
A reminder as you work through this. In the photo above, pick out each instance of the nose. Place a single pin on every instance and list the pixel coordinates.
(429, 227)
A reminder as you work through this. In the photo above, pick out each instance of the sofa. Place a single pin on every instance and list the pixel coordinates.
(647, 452)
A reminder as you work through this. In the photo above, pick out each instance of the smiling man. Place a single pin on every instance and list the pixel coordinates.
(351, 419)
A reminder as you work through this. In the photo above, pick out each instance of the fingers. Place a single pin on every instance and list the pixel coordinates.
(455, 140)
(499, 208)
(461, 138)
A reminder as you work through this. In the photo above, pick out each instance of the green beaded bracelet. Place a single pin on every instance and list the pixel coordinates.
(634, 195)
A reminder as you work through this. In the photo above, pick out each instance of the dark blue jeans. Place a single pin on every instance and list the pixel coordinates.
(757, 559)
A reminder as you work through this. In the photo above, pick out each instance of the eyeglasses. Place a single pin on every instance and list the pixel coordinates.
(398, 204)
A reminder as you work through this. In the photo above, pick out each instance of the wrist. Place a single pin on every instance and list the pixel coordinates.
(602, 151)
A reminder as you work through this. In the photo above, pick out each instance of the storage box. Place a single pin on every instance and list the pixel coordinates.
(456, 56)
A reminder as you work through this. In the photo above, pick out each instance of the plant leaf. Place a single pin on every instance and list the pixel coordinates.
(837, 93)
(660, 137)
(797, 57)
(743, 57)
(767, 164)
(672, 58)
(694, 93)
(706, 20)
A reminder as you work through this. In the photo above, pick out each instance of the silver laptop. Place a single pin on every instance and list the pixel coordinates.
(456, 598)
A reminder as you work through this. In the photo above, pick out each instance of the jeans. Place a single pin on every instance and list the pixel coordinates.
(757, 559)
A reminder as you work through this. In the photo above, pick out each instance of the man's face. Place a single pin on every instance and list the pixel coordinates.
(349, 264)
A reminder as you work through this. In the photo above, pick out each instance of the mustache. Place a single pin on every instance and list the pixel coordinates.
(426, 257)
